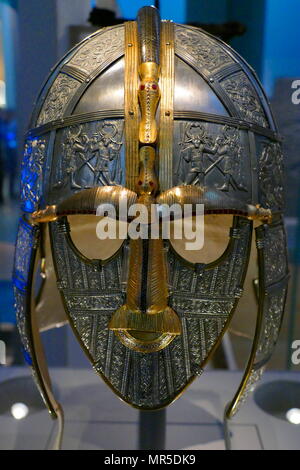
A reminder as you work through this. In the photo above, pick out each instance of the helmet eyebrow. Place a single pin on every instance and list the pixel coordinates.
(214, 202)
(86, 202)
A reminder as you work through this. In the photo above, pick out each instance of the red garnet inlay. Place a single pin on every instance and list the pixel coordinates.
(151, 183)
(142, 87)
(154, 86)
(140, 183)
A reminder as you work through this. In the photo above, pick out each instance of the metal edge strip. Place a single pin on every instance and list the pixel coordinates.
(254, 169)
(277, 285)
(218, 119)
(178, 115)
(253, 366)
(40, 373)
(131, 104)
(225, 71)
(48, 166)
(76, 119)
(166, 105)
(232, 407)
(74, 72)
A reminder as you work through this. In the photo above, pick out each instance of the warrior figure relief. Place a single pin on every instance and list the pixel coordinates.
(193, 153)
(224, 155)
(104, 146)
(229, 152)
(92, 158)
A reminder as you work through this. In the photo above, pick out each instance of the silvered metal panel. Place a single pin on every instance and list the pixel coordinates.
(203, 298)
(192, 93)
(58, 97)
(223, 73)
(87, 155)
(213, 155)
(52, 76)
(244, 97)
(90, 59)
(210, 55)
(249, 71)
(99, 49)
(273, 280)
(106, 92)
(33, 172)
(270, 170)
(25, 254)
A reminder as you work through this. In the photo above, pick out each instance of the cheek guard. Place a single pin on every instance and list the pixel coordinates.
(186, 123)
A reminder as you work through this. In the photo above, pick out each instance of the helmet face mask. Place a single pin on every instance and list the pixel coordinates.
(191, 126)
(92, 292)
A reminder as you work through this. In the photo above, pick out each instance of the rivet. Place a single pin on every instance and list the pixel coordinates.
(129, 44)
(211, 79)
(168, 43)
(131, 113)
(167, 113)
(87, 80)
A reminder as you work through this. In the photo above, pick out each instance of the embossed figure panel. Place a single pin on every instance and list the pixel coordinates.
(212, 154)
(245, 99)
(32, 173)
(99, 49)
(57, 99)
(25, 248)
(275, 254)
(208, 53)
(91, 155)
(270, 168)
(26, 240)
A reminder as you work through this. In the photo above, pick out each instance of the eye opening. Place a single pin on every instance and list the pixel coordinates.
(216, 240)
(84, 237)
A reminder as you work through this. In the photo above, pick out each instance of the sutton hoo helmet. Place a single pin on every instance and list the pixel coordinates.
(153, 113)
